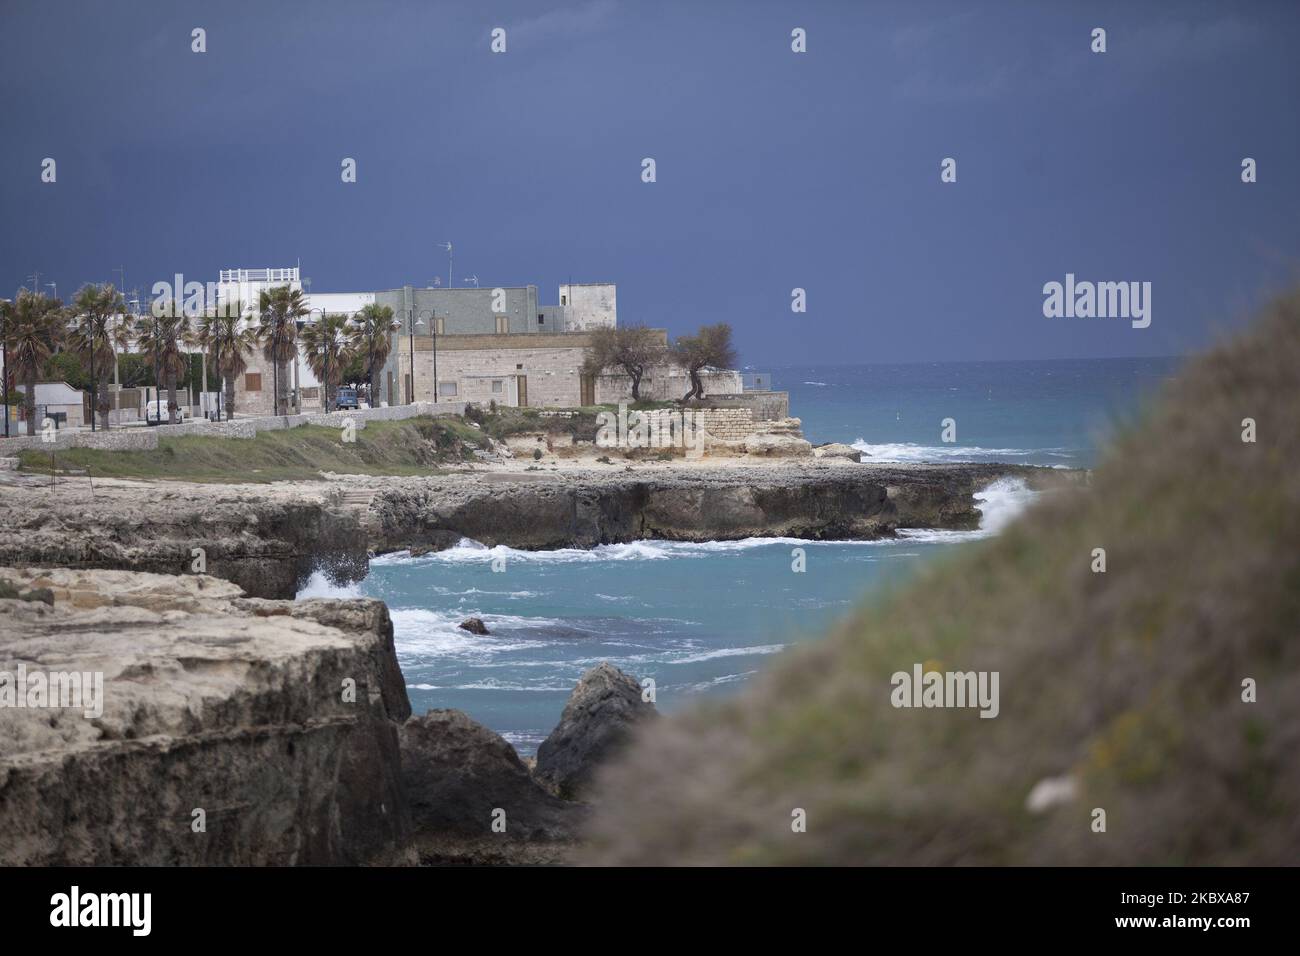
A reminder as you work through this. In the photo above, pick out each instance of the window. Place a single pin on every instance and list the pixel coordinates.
(564, 300)
(447, 389)
(440, 326)
(541, 319)
(519, 366)
(496, 387)
(253, 382)
(502, 327)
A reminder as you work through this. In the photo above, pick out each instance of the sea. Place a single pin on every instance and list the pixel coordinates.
(701, 619)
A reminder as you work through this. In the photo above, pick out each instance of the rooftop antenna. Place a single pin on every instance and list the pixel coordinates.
(447, 246)
(473, 279)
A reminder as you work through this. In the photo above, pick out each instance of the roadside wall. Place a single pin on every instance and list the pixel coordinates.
(141, 438)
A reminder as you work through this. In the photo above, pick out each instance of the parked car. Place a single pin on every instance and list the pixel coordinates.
(346, 398)
(155, 412)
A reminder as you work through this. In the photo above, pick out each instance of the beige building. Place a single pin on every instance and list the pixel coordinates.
(538, 370)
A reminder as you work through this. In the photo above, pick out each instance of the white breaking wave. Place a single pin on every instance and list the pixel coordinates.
(320, 586)
(912, 452)
(729, 652)
(472, 552)
(1002, 502)
(999, 504)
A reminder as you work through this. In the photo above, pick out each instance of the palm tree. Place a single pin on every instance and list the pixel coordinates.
(370, 336)
(34, 327)
(228, 342)
(96, 335)
(162, 338)
(327, 350)
(280, 308)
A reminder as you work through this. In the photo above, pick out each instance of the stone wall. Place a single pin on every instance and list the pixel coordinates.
(763, 406)
(145, 438)
(724, 424)
(665, 383)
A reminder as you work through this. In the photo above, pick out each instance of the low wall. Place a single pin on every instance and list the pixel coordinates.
(725, 424)
(763, 406)
(142, 438)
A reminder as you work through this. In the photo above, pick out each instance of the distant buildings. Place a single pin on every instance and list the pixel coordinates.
(465, 344)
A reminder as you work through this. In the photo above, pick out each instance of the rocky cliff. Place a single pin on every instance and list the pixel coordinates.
(226, 730)
(269, 539)
(801, 501)
(267, 543)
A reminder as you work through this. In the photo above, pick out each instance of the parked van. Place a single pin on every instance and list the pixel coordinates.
(346, 398)
(155, 412)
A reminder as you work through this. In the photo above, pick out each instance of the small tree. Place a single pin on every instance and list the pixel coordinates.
(97, 337)
(371, 335)
(162, 338)
(280, 308)
(326, 348)
(632, 348)
(710, 347)
(35, 325)
(228, 342)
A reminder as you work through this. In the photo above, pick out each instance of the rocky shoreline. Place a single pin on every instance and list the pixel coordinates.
(268, 539)
(151, 719)
(240, 726)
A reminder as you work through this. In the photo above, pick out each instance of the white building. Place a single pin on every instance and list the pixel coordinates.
(255, 390)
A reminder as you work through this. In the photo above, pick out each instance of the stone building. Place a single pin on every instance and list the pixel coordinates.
(466, 344)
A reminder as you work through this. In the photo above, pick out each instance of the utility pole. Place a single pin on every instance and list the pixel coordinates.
(410, 334)
(4, 363)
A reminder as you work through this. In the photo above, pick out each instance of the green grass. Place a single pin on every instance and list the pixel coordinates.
(415, 446)
(1129, 682)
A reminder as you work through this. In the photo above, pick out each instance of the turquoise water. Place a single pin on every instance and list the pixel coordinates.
(701, 619)
(1037, 413)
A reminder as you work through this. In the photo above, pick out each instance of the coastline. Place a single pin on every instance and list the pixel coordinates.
(270, 538)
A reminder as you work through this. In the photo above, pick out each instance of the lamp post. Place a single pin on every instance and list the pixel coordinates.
(410, 336)
(94, 385)
(434, 329)
(275, 370)
(4, 362)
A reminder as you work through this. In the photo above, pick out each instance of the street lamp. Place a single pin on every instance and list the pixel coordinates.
(434, 330)
(4, 363)
(410, 335)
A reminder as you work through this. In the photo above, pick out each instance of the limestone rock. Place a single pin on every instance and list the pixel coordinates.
(277, 720)
(777, 445)
(597, 722)
(837, 450)
(460, 777)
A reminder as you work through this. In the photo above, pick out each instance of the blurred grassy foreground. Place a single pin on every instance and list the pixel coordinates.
(1124, 687)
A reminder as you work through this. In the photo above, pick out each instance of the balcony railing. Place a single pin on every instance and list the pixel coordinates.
(260, 275)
